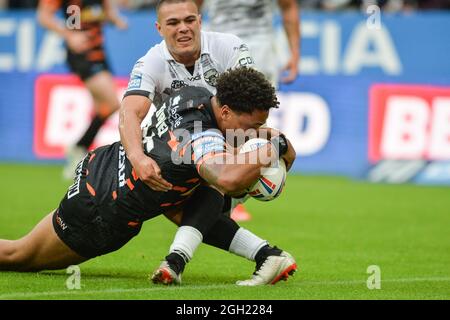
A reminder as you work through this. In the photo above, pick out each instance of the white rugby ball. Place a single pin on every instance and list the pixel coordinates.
(270, 185)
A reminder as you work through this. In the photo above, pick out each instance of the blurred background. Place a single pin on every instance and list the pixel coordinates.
(372, 99)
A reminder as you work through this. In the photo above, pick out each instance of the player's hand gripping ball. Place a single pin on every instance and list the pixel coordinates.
(270, 185)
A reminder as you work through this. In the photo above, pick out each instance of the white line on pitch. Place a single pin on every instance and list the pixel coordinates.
(22, 295)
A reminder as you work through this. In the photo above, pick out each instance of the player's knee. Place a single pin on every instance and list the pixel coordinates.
(15, 257)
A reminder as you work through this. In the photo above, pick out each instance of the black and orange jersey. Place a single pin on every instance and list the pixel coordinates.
(91, 12)
(87, 16)
(184, 133)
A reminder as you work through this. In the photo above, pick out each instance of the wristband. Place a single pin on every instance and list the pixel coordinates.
(280, 143)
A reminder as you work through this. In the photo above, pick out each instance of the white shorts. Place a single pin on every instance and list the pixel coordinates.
(264, 51)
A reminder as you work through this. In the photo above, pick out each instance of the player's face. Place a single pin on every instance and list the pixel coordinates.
(232, 120)
(179, 25)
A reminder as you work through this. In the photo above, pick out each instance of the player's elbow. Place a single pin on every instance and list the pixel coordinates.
(225, 184)
(230, 184)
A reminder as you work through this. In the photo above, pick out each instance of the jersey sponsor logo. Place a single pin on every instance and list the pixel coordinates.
(175, 118)
(211, 77)
(161, 118)
(206, 142)
(207, 145)
(60, 222)
(122, 157)
(74, 189)
(195, 78)
(242, 48)
(246, 61)
(178, 84)
(135, 81)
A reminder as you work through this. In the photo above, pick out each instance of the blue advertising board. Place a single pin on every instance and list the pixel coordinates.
(326, 110)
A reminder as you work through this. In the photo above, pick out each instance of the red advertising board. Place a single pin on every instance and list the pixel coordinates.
(63, 109)
(409, 122)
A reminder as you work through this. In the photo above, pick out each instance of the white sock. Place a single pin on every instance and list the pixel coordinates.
(246, 244)
(186, 242)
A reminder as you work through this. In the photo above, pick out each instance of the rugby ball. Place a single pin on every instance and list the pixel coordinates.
(270, 185)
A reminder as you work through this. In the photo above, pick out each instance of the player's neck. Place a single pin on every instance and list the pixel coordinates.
(188, 60)
(215, 106)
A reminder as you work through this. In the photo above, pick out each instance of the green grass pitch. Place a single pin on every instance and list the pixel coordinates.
(336, 228)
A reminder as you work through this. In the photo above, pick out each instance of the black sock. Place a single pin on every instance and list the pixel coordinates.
(176, 261)
(201, 212)
(91, 132)
(266, 251)
(203, 209)
(222, 233)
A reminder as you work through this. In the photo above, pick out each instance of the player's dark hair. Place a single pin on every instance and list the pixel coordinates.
(162, 2)
(244, 90)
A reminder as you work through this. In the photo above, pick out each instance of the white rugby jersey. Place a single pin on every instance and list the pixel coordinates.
(244, 18)
(156, 75)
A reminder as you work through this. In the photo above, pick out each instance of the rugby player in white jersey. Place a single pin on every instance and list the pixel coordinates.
(252, 21)
(186, 57)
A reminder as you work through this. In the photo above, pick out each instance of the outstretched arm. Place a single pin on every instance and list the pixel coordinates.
(46, 17)
(113, 16)
(132, 112)
(76, 41)
(291, 22)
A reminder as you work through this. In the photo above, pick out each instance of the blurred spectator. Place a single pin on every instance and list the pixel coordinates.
(86, 57)
(332, 5)
(252, 21)
(138, 4)
(328, 5)
(405, 5)
(22, 4)
(433, 4)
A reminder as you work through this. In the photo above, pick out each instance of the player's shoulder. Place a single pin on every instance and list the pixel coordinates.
(190, 102)
(155, 53)
(193, 91)
(214, 36)
(190, 97)
(216, 41)
(154, 60)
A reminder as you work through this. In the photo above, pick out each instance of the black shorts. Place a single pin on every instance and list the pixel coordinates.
(84, 68)
(89, 228)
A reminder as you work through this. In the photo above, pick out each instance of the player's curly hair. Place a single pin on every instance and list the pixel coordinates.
(244, 90)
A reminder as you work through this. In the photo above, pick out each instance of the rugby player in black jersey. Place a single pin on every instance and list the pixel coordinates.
(107, 203)
(86, 57)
